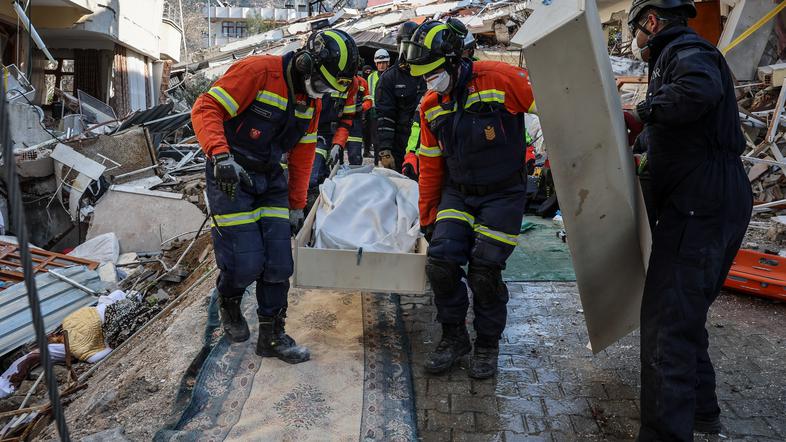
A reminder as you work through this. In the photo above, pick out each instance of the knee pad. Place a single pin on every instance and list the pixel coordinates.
(487, 285)
(444, 276)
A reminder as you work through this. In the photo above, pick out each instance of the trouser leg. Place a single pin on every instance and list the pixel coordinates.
(273, 284)
(355, 150)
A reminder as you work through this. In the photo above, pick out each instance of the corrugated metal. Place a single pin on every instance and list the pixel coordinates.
(58, 300)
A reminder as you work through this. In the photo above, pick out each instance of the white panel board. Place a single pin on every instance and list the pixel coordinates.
(598, 192)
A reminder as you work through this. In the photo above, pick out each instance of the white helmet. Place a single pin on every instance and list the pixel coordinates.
(381, 56)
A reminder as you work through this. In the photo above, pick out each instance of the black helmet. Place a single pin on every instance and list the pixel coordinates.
(405, 31)
(433, 44)
(640, 6)
(334, 58)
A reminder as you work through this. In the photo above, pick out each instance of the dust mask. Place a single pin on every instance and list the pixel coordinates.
(637, 51)
(439, 83)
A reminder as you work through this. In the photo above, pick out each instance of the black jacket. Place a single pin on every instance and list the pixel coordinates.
(691, 119)
(397, 96)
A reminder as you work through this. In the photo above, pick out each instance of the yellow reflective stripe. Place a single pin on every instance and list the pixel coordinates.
(488, 95)
(355, 139)
(456, 214)
(307, 115)
(532, 109)
(433, 33)
(309, 138)
(496, 235)
(224, 99)
(343, 52)
(367, 97)
(240, 218)
(284, 165)
(437, 111)
(332, 80)
(431, 152)
(349, 109)
(275, 212)
(423, 69)
(272, 99)
(322, 152)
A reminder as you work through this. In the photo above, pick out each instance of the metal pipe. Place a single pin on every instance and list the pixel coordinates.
(74, 283)
(33, 33)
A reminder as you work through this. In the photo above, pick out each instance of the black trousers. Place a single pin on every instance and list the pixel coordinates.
(694, 244)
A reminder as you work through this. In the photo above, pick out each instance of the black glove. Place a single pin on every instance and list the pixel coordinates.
(409, 171)
(228, 174)
(296, 218)
(336, 155)
(427, 231)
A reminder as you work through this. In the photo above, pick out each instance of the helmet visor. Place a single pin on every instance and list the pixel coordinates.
(422, 60)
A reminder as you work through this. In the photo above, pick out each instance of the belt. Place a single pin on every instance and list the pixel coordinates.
(519, 177)
(256, 166)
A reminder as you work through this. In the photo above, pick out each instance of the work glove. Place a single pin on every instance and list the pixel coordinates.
(427, 231)
(386, 159)
(633, 125)
(228, 174)
(409, 171)
(336, 155)
(296, 218)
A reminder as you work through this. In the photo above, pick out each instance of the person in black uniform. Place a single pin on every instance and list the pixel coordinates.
(397, 97)
(702, 201)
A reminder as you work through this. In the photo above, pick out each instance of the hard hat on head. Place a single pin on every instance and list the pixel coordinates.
(332, 57)
(433, 45)
(381, 56)
(687, 6)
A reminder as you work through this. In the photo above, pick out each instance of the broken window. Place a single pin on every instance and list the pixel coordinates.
(228, 29)
(60, 75)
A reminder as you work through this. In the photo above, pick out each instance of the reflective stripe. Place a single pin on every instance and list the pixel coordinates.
(488, 95)
(437, 111)
(332, 80)
(308, 138)
(496, 235)
(240, 218)
(272, 99)
(342, 49)
(307, 115)
(349, 109)
(456, 214)
(224, 99)
(322, 152)
(433, 33)
(366, 97)
(532, 109)
(284, 165)
(372, 84)
(423, 69)
(430, 152)
(355, 139)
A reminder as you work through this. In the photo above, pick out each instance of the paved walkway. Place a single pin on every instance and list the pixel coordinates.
(550, 387)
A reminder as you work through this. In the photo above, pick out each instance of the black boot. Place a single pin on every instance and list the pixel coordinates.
(274, 342)
(232, 320)
(453, 345)
(483, 363)
(705, 425)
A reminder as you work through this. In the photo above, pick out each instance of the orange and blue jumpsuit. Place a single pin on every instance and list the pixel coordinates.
(355, 140)
(473, 188)
(334, 124)
(253, 113)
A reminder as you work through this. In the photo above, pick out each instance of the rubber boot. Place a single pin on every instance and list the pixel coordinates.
(483, 363)
(232, 320)
(453, 345)
(707, 425)
(274, 342)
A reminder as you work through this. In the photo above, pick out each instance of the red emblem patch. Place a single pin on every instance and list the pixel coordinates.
(255, 133)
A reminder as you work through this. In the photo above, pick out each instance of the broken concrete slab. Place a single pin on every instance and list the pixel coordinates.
(143, 222)
(132, 149)
(744, 58)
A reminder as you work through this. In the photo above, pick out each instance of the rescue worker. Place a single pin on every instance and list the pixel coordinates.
(335, 123)
(262, 107)
(362, 103)
(702, 201)
(382, 62)
(472, 188)
(397, 98)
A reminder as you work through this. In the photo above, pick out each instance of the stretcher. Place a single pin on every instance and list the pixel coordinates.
(758, 274)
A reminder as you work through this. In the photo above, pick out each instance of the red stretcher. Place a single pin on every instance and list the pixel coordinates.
(758, 274)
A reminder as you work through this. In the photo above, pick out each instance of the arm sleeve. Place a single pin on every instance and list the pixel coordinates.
(432, 173)
(348, 114)
(367, 103)
(385, 105)
(694, 89)
(301, 159)
(518, 89)
(229, 95)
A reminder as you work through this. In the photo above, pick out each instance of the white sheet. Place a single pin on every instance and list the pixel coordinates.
(376, 210)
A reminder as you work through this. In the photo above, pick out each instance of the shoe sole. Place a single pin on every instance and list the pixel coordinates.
(268, 354)
(442, 370)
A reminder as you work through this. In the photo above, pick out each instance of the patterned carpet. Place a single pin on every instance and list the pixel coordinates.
(357, 386)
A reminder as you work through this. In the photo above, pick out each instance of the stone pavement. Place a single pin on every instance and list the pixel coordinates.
(550, 386)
